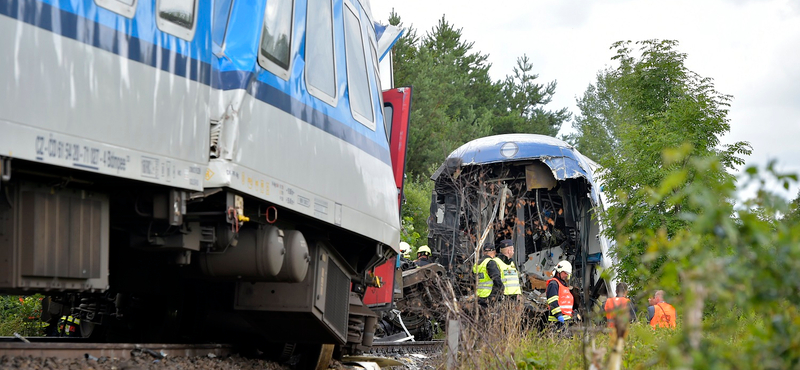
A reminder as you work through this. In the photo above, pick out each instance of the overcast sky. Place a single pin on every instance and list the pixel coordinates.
(751, 48)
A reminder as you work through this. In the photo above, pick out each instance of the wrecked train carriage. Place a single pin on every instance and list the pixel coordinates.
(535, 190)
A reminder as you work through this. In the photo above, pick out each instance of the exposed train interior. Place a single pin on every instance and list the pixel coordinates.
(548, 220)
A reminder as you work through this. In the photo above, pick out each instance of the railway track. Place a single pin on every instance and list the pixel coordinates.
(433, 346)
(78, 348)
(70, 350)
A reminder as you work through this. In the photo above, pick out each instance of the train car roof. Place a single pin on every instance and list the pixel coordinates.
(563, 159)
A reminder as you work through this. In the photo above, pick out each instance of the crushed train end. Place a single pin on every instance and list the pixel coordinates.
(537, 191)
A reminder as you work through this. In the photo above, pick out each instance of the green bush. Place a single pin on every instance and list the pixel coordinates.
(20, 315)
(416, 210)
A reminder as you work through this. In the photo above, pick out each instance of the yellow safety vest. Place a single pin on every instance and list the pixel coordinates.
(68, 326)
(484, 280)
(510, 277)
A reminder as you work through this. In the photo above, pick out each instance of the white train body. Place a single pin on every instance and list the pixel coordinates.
(168, 131)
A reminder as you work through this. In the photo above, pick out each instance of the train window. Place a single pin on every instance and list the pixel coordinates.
(126, 8)
(320, 66)
(388, 112)
(357, 80)
(377, 74)
(177, 17)
(222, 14)
(276, 37)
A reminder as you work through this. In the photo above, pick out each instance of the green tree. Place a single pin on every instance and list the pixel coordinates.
(404, 51)
(519, 108)
(456, 101)
(596, 127)
(649, 103)
(449, 79)
(793, 214)
(730, 273)
(416, 209)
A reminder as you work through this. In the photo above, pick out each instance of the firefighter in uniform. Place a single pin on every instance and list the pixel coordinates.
(660, 313)
(69, 326)
(559, 297)
(490, 280)
(508, 270)
(405, 251)
(423, 256)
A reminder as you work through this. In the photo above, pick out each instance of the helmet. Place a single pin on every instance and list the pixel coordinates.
(404, 247)
(564, 266)
(424, 249)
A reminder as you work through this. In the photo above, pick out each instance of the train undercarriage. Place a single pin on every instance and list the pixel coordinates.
(148, 263)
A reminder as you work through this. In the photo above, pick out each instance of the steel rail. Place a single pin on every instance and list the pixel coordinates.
(66, 349)
(407, 347)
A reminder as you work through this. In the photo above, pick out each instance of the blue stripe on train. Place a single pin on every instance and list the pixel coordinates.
(133, 48)
(41, 15)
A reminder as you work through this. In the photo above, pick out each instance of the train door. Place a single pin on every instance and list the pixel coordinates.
(396, 112)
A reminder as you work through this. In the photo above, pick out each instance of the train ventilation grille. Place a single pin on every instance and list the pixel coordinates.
(338, 299)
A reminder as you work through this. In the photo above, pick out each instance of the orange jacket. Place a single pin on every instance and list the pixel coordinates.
(565, 301)
(613, 306)
(664, 316)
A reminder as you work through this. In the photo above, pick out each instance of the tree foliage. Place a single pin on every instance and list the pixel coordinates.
(648, 104)
(597, 126)
(456, 101)
(20, 315)
(416, 209)
(519, 108)
(731, 271)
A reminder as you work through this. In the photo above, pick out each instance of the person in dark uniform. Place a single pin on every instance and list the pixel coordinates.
(508, 270)
(490, 280)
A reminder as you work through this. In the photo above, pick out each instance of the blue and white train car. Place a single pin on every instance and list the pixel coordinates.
(537, 191)
(166, 162)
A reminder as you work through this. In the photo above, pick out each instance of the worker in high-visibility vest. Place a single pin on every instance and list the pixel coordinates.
(661, 314)
(509, 270)
(619, 305)
(490, 280)
(559, 296)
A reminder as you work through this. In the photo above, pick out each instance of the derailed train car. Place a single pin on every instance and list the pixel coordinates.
(537, 191)
(177, 169)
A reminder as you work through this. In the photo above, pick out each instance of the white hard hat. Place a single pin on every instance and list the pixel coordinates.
(564, 266)
(404, 247)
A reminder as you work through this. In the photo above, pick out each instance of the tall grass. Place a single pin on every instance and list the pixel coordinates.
(501, 339)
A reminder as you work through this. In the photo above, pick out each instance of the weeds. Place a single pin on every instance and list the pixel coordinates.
(20, 315)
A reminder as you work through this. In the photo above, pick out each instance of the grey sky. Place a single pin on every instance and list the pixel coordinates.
(751, 48)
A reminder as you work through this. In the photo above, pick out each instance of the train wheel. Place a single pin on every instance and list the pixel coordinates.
(312, 356)
(325, 356)
(87, 329)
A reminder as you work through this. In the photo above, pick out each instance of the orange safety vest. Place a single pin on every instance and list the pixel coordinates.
(664, 316)
(565, 301)
(613, 306)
